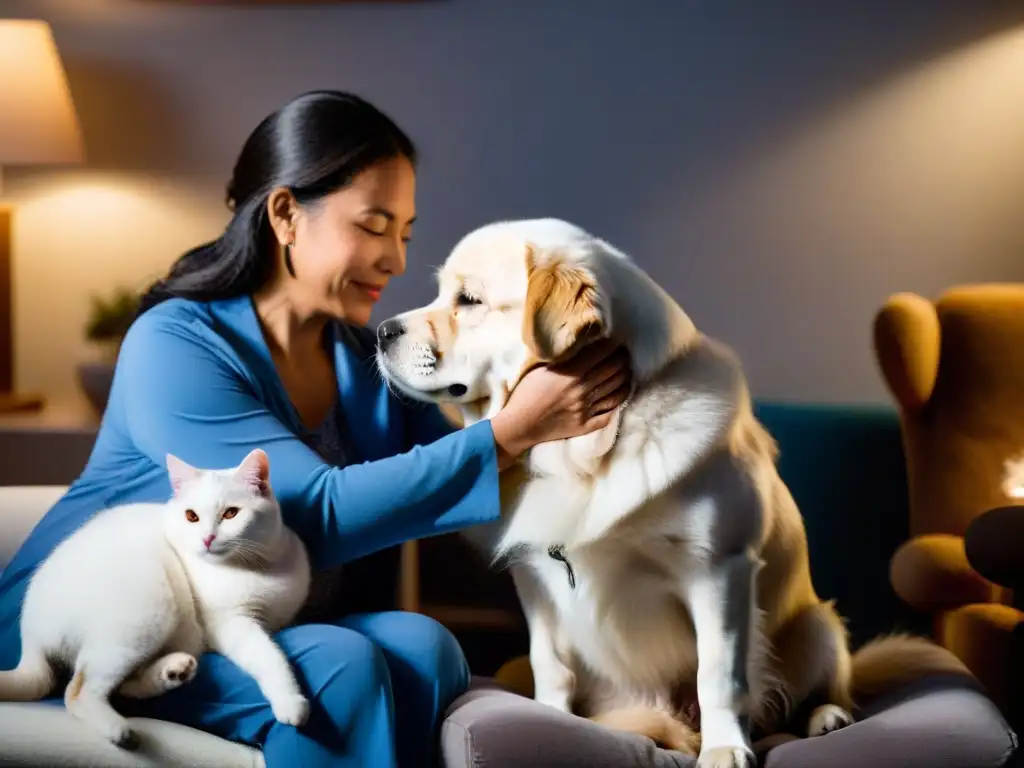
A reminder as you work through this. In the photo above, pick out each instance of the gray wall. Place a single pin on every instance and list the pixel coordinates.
(780, 171)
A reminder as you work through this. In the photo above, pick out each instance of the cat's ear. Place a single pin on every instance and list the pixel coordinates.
(180, 472)
(254, 471)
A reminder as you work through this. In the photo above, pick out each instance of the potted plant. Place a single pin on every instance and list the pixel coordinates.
(108, 322)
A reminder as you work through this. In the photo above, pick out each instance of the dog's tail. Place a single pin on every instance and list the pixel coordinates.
(31, 680)
(656, 724)
(890, 661)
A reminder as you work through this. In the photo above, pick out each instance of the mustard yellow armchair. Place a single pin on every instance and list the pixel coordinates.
(955, 367)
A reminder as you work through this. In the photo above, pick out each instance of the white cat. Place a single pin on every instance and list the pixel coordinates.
(132, 598)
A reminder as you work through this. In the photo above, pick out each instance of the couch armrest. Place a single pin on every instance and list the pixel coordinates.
(994, 546)
(932, 574)
(21, 507)
(907, 345)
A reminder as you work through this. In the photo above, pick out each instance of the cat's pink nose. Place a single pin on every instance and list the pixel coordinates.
(208, 540)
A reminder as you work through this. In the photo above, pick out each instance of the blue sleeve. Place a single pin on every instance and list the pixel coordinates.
(183, 396)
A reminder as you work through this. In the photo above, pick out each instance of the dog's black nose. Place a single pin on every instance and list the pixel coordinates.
(388, 332)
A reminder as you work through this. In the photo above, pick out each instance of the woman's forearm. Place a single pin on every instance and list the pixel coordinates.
(340, 513)
(434, 489)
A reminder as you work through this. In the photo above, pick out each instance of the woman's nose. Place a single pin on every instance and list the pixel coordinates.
(393, 261)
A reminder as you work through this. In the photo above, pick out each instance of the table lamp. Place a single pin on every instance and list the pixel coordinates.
(38, 126)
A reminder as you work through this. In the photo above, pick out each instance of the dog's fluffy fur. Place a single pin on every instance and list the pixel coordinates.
(688, 553)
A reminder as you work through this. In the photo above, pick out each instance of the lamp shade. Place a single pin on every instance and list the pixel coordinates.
(38, 123)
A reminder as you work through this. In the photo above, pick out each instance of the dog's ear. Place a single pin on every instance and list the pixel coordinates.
(563, 308)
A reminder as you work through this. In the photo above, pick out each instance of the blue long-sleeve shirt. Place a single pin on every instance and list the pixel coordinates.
(197, 380)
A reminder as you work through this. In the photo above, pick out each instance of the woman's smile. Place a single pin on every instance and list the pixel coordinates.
(372, 290)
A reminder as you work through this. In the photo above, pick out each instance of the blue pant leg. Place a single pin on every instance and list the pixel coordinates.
(428, 672)
(345, 676)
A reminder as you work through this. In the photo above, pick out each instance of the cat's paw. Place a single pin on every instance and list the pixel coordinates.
(120, 734)
(290, 709)
(177, 669)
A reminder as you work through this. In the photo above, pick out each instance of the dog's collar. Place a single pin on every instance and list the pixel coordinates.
(557, 552)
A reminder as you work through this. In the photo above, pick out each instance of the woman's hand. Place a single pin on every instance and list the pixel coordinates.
(565, 400)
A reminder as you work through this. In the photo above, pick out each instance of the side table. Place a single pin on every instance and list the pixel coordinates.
(45, 447)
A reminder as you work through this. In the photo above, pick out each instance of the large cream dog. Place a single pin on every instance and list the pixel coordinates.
(661, 559)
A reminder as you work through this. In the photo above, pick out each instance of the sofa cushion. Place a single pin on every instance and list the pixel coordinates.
(490, 726)
(44, 734)
(942, 722)
(939, 723)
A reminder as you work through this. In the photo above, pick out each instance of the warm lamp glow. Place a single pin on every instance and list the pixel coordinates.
(38, 124)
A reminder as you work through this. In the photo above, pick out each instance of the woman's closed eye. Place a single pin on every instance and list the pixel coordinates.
(407, 238)
(375, 231)
(376, 223)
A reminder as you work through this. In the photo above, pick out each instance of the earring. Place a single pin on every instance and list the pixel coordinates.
(288, 259)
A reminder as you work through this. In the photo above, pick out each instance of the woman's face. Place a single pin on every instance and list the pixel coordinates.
(346, 247)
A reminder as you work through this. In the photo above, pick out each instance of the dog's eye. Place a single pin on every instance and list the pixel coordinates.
(465, 300)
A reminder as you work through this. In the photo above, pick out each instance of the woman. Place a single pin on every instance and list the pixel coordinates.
(257, 340)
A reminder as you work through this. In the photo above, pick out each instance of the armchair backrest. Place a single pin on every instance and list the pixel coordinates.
(844, 465)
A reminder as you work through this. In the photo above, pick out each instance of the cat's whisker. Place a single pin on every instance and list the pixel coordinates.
(251, 553)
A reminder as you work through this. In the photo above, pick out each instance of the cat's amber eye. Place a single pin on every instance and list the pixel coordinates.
(229, 513)
(191, 516)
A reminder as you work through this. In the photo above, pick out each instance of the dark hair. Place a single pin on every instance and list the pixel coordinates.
(313, 145)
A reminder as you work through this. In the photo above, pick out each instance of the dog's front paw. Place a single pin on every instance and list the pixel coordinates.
(828, 718)
(556, 689)
(290, 709)
(557, 700)
(726, 757)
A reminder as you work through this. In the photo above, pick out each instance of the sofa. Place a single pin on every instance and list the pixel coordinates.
(844, 466)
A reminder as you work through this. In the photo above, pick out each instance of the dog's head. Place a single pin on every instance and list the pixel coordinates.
(511, 295)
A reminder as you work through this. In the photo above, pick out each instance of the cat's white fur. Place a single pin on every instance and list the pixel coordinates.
(131, 600)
